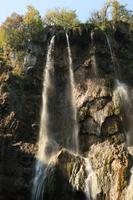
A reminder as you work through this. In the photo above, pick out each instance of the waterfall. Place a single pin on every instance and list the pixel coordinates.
(123, 91)
(91, 184)
(54, 119)
(48, 88)
(75, 122)
(93, 57)
(88, 181)
(46, 149)
(114, 59)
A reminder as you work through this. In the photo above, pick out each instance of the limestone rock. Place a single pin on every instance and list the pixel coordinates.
(29, 60)
(111, 166)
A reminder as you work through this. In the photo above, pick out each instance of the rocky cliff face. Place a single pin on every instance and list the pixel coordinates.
(101, 126)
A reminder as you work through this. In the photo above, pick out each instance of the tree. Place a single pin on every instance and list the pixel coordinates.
(112, 11)
(100, 17)
(61, 17)
(120, 13)
(13, 28)
(33, 23)
(13, 21)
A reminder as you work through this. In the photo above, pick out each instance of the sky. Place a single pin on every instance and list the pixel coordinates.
(83, 7)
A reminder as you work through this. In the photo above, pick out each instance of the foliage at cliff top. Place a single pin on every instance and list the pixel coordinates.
(18, 30)
(112, 12)
(13, 30)
(61, 17)
(32, 23)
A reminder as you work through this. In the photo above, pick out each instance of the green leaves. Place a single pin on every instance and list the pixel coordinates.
(112, 11)
(33, 23)
(13, 30)
(17, 30)
(61, 17)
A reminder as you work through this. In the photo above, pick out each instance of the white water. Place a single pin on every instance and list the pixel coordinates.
(93, 57)
(113, 57)
(42, 156)
(91, 183)
(94, 64)
(122, 92)
(47, 145)
(88, 181)
(75, 122)
(47, 89)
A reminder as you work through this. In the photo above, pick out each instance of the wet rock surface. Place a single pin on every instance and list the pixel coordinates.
(65, 177)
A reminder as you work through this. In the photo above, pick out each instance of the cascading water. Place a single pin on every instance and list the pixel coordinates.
(91, 183)
(88, 181)
(114, 60)
(93, 57)
(44, 154)
(48, 90)
(51, 136)
(75, 122)
(123, 91)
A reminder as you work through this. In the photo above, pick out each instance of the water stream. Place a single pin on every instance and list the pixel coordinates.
(114, 59)
(88, 181)
(54, 133)
(72, 86)
(44, 150)
(123, 91)
(91, 183)
(93, 57)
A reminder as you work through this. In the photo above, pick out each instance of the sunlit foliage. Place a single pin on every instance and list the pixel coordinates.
(61, 17)
(32, 23)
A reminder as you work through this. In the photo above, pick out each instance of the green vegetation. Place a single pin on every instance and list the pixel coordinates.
(112, 12)
(14, 31)
(18, 30)
(32, 23)
(15, 34)
(61, 17)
